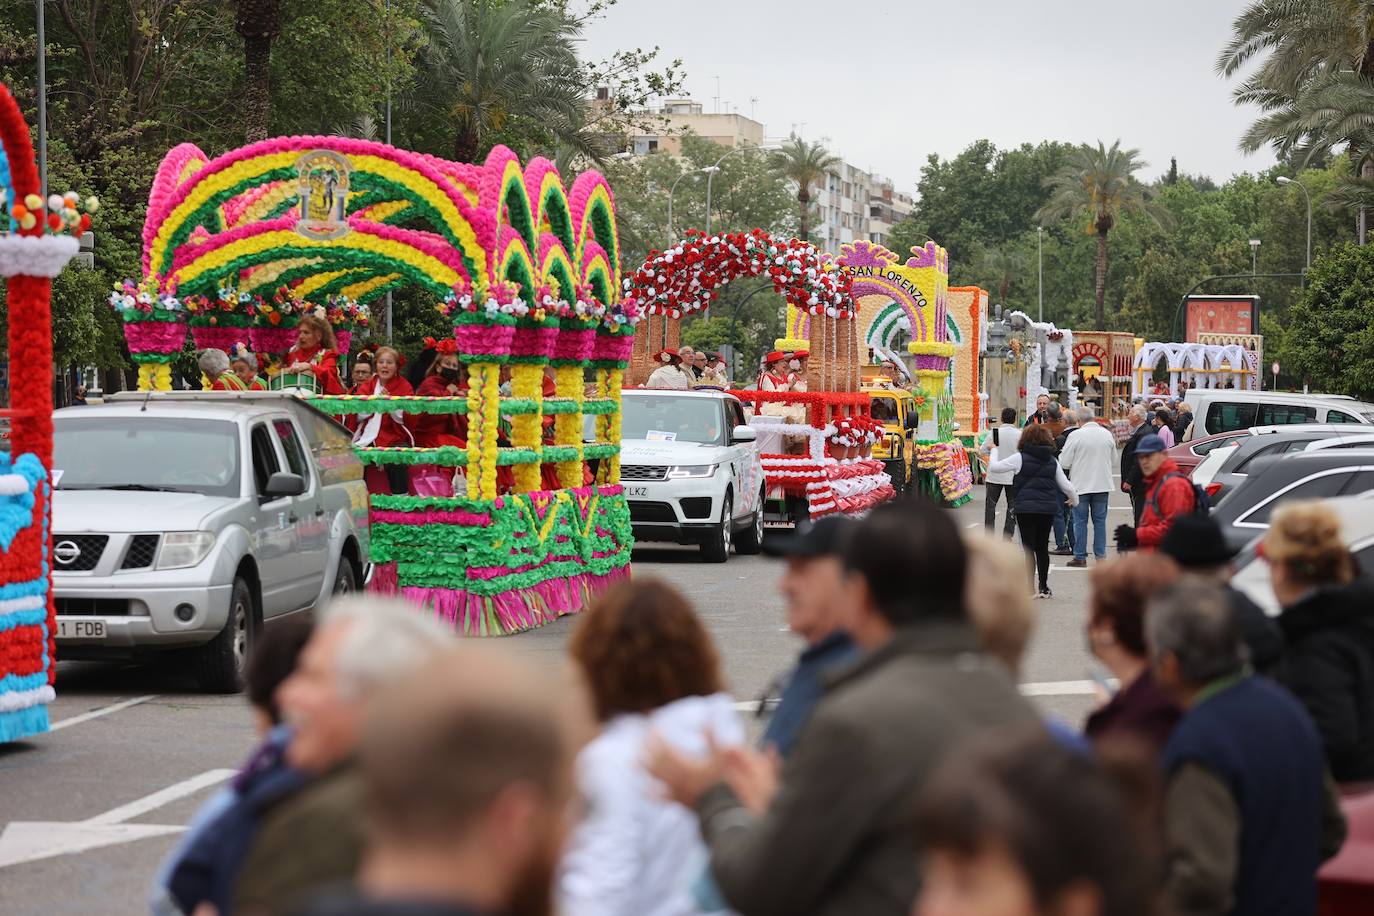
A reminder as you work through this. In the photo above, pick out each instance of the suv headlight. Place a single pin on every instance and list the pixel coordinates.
(682, 471)
(180, 549)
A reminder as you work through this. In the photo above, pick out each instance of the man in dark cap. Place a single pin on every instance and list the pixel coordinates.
(1168, 495)
(813, 586)
(1196, 544)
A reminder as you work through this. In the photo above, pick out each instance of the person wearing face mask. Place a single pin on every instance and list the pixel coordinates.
(384, 429)
(796, 376)
(437, 374)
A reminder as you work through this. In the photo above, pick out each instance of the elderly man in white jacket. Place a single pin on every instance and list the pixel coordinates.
(1089, 456)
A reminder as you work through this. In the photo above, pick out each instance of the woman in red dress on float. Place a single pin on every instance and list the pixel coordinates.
(315, 353)
(384, 429)
(437, 374)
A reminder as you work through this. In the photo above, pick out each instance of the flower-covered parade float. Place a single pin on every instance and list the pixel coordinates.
(815, 435)
(528, 273)
(851, 298)
(37, 239)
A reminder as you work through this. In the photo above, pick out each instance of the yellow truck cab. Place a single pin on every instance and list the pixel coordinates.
(896, 409)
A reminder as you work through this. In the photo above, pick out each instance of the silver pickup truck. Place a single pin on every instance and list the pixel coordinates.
(188, 521)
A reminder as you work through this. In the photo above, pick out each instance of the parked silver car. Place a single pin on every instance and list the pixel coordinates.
(190, 520)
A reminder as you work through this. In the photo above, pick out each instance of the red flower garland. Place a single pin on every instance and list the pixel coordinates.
(684, 278)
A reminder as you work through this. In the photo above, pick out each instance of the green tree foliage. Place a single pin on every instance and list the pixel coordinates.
(1330, 340)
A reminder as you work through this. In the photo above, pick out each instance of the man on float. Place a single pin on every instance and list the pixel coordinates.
(669, 374)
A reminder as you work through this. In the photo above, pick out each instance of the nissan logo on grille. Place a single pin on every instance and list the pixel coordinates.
(66, 552)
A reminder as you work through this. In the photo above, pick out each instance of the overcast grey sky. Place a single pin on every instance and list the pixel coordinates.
(890, 81)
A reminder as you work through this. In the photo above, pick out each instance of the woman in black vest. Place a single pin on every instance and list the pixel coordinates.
(1039, 489)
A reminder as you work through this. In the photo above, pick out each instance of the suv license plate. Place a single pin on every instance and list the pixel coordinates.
(636, 492)
(80, 629)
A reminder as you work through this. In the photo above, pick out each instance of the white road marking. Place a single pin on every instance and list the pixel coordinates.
(162, 797)
(97, 713)
(29, 841)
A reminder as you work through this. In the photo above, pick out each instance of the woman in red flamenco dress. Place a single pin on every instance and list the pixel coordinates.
(315, 353)
(384, 430)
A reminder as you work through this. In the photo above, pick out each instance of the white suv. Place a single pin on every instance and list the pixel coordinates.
(691, 471)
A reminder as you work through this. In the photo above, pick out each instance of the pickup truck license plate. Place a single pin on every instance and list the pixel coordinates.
(636, 492)
(67, 628)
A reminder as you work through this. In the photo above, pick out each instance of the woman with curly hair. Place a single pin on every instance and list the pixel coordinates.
(315, 353)
(1328, 631)
(651, 671)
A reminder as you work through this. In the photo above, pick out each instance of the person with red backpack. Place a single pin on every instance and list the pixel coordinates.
(1169, 493)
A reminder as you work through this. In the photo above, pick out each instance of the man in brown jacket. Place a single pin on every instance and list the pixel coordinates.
(831, 833)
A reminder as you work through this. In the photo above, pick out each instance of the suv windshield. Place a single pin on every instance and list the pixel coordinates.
(148, 453)
(664, 417)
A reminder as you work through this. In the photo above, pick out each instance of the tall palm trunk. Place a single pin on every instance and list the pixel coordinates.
(804, 203)
(1367, 165)
(257, 22)
(465, 141)
(257, 93)
(1100, 282)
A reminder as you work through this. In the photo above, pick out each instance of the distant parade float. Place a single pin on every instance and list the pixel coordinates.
(816, 430)
(523, 518)
(37, 239)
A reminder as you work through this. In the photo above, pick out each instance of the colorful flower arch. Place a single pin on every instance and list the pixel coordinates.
(405, 219)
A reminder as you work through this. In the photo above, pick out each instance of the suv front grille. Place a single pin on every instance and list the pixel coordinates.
(643, 471)
(142, 550)
(77, 552)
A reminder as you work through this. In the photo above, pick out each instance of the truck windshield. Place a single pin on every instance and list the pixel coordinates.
(664, 417)
(178, 455)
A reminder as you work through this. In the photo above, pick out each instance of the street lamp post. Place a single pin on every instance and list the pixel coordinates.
(1254, 256)
(1040, 271)
(1284, 179)
(671, 191)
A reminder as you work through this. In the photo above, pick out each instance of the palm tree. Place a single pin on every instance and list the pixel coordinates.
(1096, 183)
(491, 61)
(806, 164)
(258, 22)
(1313, 81)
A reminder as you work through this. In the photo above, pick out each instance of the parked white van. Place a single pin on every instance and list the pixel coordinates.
(1220, 410)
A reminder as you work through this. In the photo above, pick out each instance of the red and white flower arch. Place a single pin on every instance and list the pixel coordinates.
(685, 277)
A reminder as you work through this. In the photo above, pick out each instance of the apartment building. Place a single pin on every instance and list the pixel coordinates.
(681, 115)
(853, 204)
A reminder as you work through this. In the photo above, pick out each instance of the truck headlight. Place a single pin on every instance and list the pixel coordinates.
(683, 471)
(180, 549)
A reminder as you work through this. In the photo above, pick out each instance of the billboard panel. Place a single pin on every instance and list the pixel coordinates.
(1220, 315)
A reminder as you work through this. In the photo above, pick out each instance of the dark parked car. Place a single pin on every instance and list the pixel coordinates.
(1274, 480)
(1282, 440)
